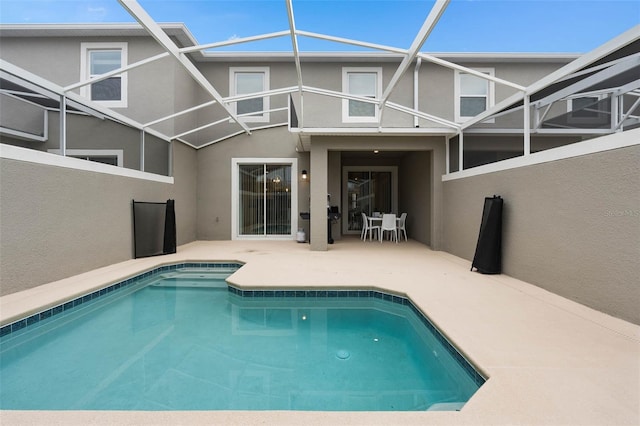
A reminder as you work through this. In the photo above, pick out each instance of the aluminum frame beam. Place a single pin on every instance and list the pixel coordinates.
(296, 57)
(152, 27)
(589, 81)
(294, 44)
(436, 12)
(202, 47)
(81, 103)
(466, 70)
(115, 72)
(351, 42)
(179, 113)
(560, 74)
(397, 107)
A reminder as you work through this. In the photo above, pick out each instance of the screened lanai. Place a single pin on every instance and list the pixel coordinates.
(593, 94)
(611, 70)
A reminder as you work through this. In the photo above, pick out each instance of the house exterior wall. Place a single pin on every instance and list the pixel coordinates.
(214, 173)
(91, 133)
(21, 116)
(57, 222)
(324, 111)
(163, 87)
(414, 194)
(570, 226)
(151, 93)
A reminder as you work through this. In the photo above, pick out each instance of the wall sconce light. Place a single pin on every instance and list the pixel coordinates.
(304, 175)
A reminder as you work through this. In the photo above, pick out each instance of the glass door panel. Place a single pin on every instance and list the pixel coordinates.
(278, 196)
(251, 199)
(359, 198)
(367, 192)
(265, 199)
(381, 192)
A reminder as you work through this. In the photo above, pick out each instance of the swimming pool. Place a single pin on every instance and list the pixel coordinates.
(179, 338)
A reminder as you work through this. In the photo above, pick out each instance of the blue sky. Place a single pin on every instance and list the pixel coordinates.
(466, 26)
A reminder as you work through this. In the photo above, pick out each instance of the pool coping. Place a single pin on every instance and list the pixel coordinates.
(536, 347)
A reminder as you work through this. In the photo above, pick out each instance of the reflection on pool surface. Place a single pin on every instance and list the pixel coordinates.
(182, 340)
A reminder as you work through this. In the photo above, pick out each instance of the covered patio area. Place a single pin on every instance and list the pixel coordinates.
(548, 360)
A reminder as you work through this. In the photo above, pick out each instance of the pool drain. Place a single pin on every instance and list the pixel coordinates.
(343, 354)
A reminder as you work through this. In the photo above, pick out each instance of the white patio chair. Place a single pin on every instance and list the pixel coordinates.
(366, 227)
(401, 225)
(389, 224)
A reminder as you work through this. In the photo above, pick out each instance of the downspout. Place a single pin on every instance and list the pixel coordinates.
(416, 72)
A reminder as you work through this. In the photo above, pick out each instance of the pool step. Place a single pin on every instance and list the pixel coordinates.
(195, 278)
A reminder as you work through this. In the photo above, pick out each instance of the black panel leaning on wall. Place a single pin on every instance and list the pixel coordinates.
(488, 256)
(154, 228)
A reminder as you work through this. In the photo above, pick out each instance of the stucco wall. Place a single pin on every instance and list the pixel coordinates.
(571, 226)
(415, 195)
(214, 176)
(57, 222)
(90, 133)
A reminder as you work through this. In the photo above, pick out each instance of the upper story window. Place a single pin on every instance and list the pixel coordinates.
(589, 110)
(100, 58)
(473, 94)
(247, 80)
(365, 82)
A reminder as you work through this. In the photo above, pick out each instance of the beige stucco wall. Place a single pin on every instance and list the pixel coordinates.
(151, 92)
(414, 194)
(214, 176)
(91, 133)
(56, 222)
(570, 226)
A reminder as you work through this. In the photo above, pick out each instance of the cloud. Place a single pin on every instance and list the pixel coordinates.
(233, 37)
(100, 10)
(96, 12)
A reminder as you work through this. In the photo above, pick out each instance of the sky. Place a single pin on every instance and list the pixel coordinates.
(546, 26)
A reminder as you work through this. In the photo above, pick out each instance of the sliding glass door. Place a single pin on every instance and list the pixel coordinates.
(368, 190)
(264, 201)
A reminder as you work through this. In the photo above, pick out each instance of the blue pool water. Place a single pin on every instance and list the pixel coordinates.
(183, 340)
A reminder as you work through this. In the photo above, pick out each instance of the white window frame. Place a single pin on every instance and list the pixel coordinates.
(601, 115)
(346, 118)
(79, 153)
(85, 71)
(457, 94)
(235, 197)
(265, 117)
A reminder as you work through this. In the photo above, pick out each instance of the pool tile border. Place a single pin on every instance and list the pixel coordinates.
(400, 300)
(233, 266)
(65, 306)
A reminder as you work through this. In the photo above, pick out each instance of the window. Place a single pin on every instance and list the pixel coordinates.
(249, 80)
(264, 194)
(591, 111)
(112, 157)
(586, 107)
(473, 94)
(583, 107)
(365, 82)
(100, 58)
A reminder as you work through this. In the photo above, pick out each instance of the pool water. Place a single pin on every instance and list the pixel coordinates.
(185, 342)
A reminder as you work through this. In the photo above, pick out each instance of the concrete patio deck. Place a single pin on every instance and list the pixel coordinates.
(550, 361)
